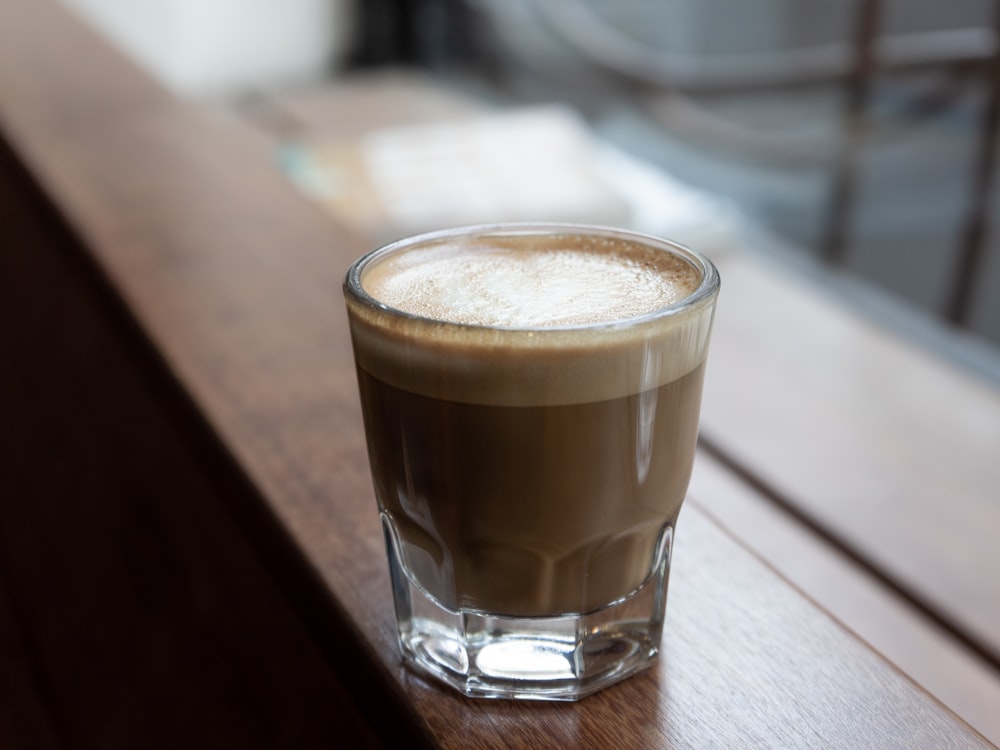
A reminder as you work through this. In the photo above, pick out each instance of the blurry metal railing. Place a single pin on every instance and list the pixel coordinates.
(854, 64)
(972, 239)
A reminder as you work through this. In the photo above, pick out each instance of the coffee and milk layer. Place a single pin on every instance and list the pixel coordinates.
(529, 319)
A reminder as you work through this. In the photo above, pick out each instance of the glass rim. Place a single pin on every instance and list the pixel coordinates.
(706, 289)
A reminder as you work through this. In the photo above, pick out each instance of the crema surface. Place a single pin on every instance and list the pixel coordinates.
(531, 282)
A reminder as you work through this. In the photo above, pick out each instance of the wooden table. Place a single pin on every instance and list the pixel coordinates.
(189, 551)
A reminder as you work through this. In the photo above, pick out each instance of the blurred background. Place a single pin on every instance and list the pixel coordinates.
(831, 155)
(852, 138)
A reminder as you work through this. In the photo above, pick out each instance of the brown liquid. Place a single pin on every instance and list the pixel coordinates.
(530, 471)
(537, 510)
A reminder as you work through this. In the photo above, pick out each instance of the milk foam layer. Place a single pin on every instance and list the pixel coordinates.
(520, 282)
(623, 352)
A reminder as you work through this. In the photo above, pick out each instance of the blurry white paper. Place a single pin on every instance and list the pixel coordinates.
(525, 165)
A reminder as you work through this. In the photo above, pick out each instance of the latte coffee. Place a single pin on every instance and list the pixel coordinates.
(530, 397)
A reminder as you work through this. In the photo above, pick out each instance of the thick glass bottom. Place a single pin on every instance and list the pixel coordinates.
(543, 658)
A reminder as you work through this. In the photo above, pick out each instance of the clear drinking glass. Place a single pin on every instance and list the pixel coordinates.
(529, 476)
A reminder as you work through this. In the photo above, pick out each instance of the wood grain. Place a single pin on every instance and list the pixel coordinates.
(919, 647)
(229, 284)
(889, 450)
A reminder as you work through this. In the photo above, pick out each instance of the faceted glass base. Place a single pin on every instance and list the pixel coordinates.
(542, 658)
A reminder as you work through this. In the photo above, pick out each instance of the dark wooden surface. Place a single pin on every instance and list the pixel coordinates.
(23, 719)
(890, 451)
(129, 601)
(915, 644)
(189, 542)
